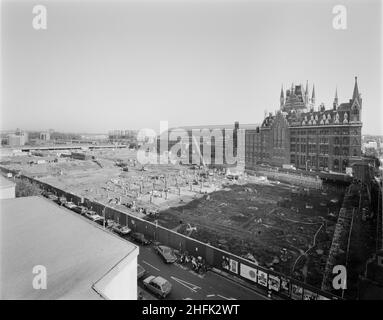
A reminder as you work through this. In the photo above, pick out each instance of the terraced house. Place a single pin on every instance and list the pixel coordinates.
(308, 136)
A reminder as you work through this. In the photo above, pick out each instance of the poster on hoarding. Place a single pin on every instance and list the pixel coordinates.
(296, 292)
(225, 263)
(274, 282)
(229, 264)
(262, 278)
(248, 272)
(309, 295)
(233, 266)
(285, 286)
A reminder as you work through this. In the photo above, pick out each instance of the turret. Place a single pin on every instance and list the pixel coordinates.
(356, 104)
(282, 98)
(313, 96)
(307, 94)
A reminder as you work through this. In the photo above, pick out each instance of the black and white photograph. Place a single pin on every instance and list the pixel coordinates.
(159, 151)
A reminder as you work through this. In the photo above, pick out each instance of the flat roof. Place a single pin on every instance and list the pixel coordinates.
(75, 252)
(6, 183)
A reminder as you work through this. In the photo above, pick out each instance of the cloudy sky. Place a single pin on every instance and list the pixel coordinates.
(103, 65)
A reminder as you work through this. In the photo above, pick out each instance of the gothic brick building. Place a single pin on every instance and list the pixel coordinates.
(306, 136)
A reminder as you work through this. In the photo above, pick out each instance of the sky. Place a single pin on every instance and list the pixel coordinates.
(105, 65)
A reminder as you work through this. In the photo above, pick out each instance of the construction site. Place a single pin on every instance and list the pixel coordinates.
(280, 226)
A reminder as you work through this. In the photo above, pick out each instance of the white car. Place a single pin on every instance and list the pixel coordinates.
(70, 205)
(158, 285)
(94, 217)
(122, 230)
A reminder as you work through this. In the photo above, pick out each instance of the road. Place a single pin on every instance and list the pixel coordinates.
(186, 284)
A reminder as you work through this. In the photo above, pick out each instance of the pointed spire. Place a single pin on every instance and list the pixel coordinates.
(313, 95)
(307, 99)
(282, 98)
(335, 103)
(355, 94)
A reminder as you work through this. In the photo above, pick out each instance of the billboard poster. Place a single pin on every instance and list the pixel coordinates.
(233, 266)
(274, 282)
(296, 292)
(248, 272)
(285, 286)
(309, 295)
(262, 278)
(229, 264)
(225, 263)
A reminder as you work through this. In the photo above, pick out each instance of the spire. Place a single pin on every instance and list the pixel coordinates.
(313, 95)
(355, 94)
(335, 103)
(282, 98)
(307, 93)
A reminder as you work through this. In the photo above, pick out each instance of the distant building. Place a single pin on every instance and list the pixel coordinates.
(122, 135)
(7, 188)
(80, 260)
(215, 145)
(45, 136)
(19, 138)
(306, 138)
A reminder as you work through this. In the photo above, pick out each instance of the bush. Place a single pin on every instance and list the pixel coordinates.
(24, 188)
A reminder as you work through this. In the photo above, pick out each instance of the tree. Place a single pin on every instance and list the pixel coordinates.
(25, 188)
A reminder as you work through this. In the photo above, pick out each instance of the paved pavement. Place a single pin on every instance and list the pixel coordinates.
(189, 285)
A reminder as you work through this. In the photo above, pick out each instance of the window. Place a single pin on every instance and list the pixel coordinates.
(336, 164)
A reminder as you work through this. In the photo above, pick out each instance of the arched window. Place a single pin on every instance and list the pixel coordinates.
(336, 151)
(354, 153)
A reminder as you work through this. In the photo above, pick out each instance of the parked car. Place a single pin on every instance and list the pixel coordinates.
(140, 238)
(80, 209)
(62, 201)
(45, 194)
(140, 271)
(94, 217)
(166, 253)
(121, 230)
(111, 223)
(53, 198)
(70, 205)
(158, 285)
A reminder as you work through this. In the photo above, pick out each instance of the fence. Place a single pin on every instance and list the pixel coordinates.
(261, 277)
